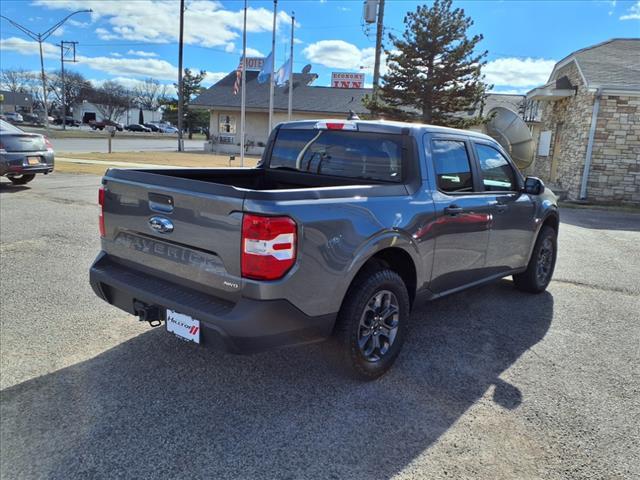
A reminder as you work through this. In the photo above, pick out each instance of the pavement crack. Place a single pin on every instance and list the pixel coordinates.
(595, 287)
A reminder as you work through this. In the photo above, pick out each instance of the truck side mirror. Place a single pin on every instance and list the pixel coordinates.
(533, 186)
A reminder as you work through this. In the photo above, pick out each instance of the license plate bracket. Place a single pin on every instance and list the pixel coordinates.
(183, 326)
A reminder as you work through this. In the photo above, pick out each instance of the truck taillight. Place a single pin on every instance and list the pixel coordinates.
(268, 246)
(101, 218)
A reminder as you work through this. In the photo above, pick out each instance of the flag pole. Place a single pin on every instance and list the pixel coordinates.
(293, 21)
(243, 105)
(273, 65)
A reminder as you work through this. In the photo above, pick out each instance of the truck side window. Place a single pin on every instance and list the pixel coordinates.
(497, 174)
(451, 161)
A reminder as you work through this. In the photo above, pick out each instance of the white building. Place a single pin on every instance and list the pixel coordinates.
(309, 102)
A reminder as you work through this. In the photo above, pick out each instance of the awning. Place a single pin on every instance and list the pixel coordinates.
(550, 94)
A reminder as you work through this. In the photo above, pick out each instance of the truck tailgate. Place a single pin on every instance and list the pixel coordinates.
(192, 234)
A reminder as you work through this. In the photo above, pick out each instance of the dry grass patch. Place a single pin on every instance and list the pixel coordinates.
(182, 159)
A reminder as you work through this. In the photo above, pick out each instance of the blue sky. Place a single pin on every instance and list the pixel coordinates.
(129, 40)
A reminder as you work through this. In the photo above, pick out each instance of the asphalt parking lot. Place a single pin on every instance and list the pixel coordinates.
(492, 383)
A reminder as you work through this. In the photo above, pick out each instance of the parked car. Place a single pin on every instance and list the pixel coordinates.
(136, 127)
(69, 121)
(371, 217)
(32, 118)
(23, 154)
(168, 129)
(152, 126)
(102, 124)
(14, 117)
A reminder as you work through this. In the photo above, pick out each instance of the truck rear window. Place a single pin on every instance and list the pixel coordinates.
(349, 154)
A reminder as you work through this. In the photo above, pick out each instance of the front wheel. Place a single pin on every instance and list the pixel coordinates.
(537, 276)
(21, 179)
(372, 324)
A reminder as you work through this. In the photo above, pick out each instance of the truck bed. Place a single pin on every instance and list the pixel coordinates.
(256, 183)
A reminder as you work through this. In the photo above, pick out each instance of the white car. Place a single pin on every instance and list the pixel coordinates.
(14, 117)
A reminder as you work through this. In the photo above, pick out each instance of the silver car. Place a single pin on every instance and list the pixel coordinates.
(23, 154)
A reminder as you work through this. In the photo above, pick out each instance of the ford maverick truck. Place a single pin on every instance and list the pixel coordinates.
(339, 230)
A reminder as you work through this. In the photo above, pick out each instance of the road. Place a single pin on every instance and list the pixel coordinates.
(492, 383)
(84, 145)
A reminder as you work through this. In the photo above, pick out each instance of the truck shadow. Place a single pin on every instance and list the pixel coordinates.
(157, 407)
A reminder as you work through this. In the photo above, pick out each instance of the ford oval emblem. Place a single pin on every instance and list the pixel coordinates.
(161, 225)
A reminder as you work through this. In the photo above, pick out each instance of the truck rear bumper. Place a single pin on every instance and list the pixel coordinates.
(247, 326)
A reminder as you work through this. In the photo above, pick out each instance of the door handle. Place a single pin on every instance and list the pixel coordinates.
(501, 207)
(453, 210)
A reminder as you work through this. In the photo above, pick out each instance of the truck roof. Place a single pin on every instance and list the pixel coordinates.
(385, 126)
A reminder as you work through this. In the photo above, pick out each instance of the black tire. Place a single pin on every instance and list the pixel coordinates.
(537, 276)
(22, 179)
(349, 334)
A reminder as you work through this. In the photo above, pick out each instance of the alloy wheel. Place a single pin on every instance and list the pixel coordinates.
(378, 325)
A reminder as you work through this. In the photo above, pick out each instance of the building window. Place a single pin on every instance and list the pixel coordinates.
(227, 124)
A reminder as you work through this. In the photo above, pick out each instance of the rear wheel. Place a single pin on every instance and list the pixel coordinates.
(372, 324)
(537, 276)
(21, 179)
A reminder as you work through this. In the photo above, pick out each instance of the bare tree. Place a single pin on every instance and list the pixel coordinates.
(17, 80)
(112, 100)
(74, 86)
(149, 94)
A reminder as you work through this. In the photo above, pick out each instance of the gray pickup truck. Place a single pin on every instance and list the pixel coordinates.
(338, 231)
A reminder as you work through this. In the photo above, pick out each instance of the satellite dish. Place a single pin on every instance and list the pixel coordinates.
(307, 68)
(510, 131)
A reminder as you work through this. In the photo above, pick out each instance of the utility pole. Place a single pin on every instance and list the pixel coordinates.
(63, 45)
(379, 33)
(243, 90)
(41, 37)
(290, 106)
(180, 89)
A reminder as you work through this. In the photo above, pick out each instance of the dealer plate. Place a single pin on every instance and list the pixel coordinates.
(33, 160)
(183, 326)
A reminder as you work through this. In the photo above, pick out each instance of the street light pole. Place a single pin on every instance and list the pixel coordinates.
(41, 37)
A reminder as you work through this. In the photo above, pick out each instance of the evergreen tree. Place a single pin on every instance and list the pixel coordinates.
(190, 88)
(433, 70)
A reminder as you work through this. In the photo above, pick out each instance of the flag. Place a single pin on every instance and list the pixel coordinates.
(236, 85)
(267, 68)
(282, 75)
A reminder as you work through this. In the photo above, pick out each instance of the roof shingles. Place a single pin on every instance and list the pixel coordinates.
(306, 98)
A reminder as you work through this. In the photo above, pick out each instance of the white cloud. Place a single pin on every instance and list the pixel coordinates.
(142, 53)
(58, 32)
(340, 54)
(28, 47)
(633, 13)
(213, 77)
(122, 69)
(297, 41)
(209, 24)
(77, 23)
(252, 52)
(142, 67)
(517, 72)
